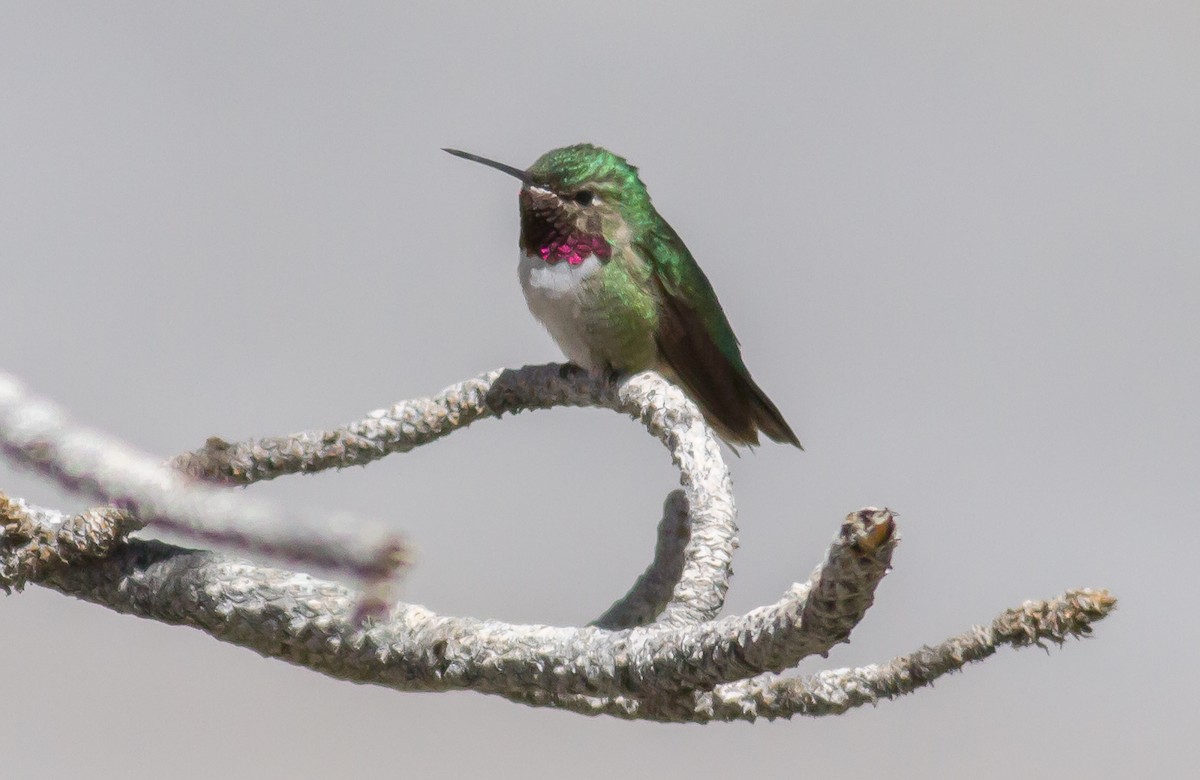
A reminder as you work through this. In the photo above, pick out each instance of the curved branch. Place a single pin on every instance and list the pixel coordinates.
(652, 591)
(663, 409)
(683, 667)
(311, 622)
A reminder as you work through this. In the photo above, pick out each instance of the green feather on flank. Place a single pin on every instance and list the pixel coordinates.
(682, 279)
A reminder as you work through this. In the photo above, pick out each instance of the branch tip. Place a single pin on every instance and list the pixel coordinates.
(1055, 620)
(869, 529)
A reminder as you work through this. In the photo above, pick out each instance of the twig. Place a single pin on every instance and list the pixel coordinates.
(835, 691)
(38, 435)
(39, 539)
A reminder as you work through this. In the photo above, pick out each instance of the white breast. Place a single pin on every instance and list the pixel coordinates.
(553, 292)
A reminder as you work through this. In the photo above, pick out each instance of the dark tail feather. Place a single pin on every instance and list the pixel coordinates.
(735, 406)
(717, 381)
(767, 417)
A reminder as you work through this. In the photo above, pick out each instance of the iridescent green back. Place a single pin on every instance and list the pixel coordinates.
(573, 167)
(693, 335)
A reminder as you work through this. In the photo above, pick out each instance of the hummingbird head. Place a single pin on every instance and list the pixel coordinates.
(576, 202)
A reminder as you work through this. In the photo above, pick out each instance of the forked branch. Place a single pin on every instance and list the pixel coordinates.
(658, 653)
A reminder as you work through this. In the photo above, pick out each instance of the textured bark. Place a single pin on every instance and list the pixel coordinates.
(662, 408)
(36, 434)
(35, 540)
(651, 593)
(658, 653)
(834, 691)
(313, 622)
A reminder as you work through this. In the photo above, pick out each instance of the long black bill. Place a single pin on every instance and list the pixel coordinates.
(511, 171)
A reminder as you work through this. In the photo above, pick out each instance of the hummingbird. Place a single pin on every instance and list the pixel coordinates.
(619, 292)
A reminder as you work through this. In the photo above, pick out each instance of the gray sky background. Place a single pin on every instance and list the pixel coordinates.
(957, 241)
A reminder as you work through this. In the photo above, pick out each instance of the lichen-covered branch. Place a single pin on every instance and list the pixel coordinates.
(651, 592)
(36, 434)
(699, 591)
(311, 622)
(837, 690)
(658, 653)
(34, 540)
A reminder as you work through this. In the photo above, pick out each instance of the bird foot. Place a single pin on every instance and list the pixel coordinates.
(568, 371)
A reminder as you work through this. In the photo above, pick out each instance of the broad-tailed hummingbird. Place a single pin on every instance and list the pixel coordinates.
(619, 292)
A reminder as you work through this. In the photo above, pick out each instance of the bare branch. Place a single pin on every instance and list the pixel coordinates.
(685, 666)
(652, 591)
(35, 539)
(311, 622)
(835, 691)
(38, 435)
(662, 408)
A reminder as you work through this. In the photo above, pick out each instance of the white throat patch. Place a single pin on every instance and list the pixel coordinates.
(553, 293)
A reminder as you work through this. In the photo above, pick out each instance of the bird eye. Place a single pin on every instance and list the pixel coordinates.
(584, 197)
